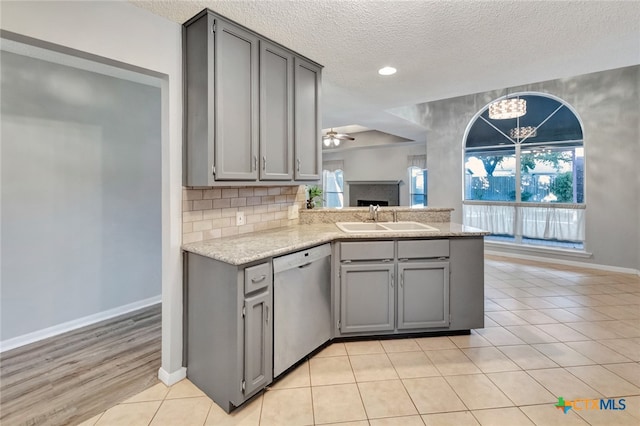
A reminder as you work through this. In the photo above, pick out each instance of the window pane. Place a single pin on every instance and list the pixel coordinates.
(333, 188)
(490, 175)
(418, 187)
(552, 175)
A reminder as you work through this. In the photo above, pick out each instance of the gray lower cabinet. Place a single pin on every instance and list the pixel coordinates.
(258, 342)
(367, 297)
(395, 286)
(229, 332)
(423, 294)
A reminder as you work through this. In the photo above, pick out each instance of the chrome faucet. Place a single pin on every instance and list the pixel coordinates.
(373, 212)
(395, 215)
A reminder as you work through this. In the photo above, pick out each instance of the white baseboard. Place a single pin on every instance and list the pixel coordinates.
(35, 336)
(565, 262)
(172, 378)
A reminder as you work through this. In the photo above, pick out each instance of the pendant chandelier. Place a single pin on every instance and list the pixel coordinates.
(507, 108)
(523, 132)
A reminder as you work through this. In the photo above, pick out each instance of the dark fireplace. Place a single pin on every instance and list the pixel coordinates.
(367, 203)
(382, 193)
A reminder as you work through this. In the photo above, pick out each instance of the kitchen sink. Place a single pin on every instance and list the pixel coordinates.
(361, 227)
(355, 227)
(409, 226)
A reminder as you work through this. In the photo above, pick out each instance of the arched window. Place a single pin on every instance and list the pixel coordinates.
(524, 176)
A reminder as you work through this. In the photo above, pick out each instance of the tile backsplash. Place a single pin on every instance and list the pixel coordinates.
(209, 213)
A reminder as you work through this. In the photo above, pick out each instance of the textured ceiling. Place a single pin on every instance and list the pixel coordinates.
(441, 49)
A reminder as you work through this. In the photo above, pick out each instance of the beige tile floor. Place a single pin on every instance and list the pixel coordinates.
(550, 331)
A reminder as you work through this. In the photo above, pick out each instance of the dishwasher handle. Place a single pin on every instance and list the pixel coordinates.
(301, 259)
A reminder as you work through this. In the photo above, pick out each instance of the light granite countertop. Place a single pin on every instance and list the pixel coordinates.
(247, 248)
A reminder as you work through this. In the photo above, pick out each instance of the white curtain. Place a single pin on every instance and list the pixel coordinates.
(419, 161)
(547, 223)
(538, 222)
(496, 219)
(333, 165)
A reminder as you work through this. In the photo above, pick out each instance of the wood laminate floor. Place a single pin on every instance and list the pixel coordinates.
(67, 379)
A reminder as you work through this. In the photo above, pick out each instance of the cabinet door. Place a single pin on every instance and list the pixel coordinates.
(276, 113)
(236, 103)
(423, 294)
(258, 342)
(366, 297)
(307, 121)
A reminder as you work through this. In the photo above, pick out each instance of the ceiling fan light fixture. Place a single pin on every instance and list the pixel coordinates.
(387, 71)
(507, 108)
(333, 138)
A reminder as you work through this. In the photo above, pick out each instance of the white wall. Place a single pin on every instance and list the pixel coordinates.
(608, 103)
(80, 194)
(122, 32)
(378, 163)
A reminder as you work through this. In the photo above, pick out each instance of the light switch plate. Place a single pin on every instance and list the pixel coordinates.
(293, 212)
(240, 218)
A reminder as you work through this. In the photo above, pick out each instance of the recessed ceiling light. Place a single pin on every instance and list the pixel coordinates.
(387, 71)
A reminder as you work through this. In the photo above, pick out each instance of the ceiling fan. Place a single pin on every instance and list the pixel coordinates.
(334, 138)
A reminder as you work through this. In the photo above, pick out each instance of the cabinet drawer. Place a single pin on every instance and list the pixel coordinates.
(366, 250)
(257, 277)
(421, 249)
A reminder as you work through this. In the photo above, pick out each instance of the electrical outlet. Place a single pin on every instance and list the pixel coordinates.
(293, 212)
(240, 218)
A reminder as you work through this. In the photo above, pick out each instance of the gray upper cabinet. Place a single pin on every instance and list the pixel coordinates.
(276, 112)
(235, 74)
(307, 118)
(251, 107)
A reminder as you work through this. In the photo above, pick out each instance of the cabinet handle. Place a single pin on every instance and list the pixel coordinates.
(264, 162)
(386, 260)
(403, 260)
(305, 265)
(267, 309)
(298, 165)
(392, 279)
(401, 279)
(258, 279)
(255, 163)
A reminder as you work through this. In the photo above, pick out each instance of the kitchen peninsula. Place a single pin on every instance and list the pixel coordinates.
(389, 283)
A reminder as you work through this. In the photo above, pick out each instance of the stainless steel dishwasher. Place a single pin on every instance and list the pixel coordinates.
(301, 305)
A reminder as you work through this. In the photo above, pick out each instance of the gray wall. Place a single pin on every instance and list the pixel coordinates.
(382, 162)
(80, 192)
(608, 103)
